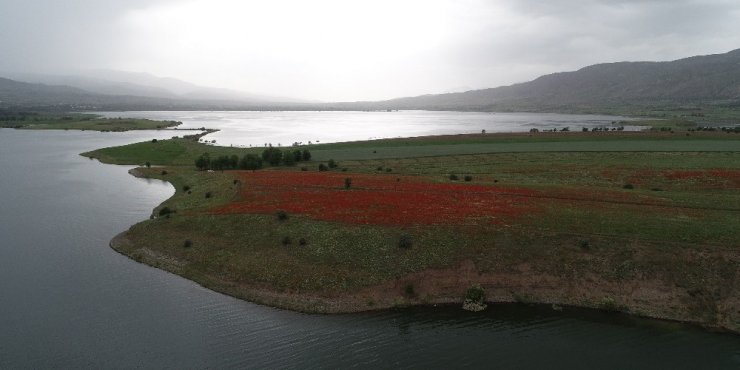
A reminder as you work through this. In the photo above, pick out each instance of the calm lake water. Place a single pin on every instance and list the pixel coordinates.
(285, 128)
(69, 301)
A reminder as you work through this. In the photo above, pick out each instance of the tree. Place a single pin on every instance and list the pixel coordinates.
(221, 163)
(273, 156)
(233, 161)
(332, 164)
(306, 155)
(203, 162)
(288, 159)
(297, 155)
(250, 162)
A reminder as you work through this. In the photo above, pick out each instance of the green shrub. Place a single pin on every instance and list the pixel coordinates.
(475, 299)
(322, 167)
(347, 182)
(475, 293)
(148, 164)
(165, 211)
(628, 186)
(306, 155)
(186, 188)
(250, 162)
(281, 215)
(286, 240)
(203, 162)
(453, 177)
(302, 241)
(164, 172)
(208, 194)
(409, 290)
(405, 241)
(388, 170)
(272, 155)
(332, 164)
(584, 244)
(187, 244)
(468, 178)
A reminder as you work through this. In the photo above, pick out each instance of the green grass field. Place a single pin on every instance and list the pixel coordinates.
(606, 216)
(80, 121)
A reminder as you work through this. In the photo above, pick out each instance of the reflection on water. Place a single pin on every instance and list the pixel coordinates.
(260, 128)
(68, 301)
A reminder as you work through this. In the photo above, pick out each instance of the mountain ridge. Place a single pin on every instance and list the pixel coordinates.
(598, 88)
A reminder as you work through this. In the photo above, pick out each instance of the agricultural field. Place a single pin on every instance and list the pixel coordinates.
(634, 227)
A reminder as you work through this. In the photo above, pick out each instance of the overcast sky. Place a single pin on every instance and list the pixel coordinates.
(343, 50)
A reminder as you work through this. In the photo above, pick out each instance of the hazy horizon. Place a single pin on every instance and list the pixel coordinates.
(331, 50)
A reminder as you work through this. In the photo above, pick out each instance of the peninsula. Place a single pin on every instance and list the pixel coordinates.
(639, 222)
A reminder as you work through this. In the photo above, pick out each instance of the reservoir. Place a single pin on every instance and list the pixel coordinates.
(245, 129)
(69, 301)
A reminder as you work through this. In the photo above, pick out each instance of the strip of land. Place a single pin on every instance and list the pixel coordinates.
(78, 121)
(644, 223)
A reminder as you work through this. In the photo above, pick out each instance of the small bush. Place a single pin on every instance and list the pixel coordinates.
(475, 299)
(380, 168)
(187, 244)
(165, 211)
(208, 195)
(347, 182)
(164, 172)
(302, 241)
(281, 215)
(468, 178)
(584, 244)
(388, 170)
(304, 168)
(628, 186)
(148, 164)
(236, 181)
(332, 164)
(409, 290)
(322, 167)
(453, 177)
(154, 140)
(405, 241)
(476, 293)
(286, 240)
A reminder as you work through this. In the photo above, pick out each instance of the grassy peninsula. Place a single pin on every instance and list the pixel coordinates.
(646, 223)
(77, 121)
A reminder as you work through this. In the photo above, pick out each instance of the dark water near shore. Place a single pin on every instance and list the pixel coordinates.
(68, 301)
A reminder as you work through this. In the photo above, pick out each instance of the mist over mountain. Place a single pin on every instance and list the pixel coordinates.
(129, 87)
(710, 79)
(694, 80)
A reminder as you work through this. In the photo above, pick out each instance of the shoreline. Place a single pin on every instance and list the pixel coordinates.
(356, 303)
(654, 296)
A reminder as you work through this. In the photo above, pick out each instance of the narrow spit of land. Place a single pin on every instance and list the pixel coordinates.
(644, 223)
(78, 121)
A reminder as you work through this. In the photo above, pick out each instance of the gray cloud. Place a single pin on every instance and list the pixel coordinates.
(484, 44)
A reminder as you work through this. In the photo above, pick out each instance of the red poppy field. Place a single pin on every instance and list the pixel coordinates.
(376, 199)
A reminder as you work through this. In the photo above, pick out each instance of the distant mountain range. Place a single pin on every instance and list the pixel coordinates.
(691, 81)
(695, 80)
(117, 90)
